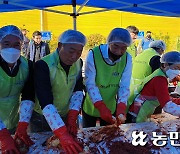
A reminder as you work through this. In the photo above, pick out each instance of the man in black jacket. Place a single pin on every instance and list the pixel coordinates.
(37, 48)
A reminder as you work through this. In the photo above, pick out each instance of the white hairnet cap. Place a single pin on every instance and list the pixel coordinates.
(73, 37)
(172, 57)
(158, 44)
(10, 30)
(119, 35)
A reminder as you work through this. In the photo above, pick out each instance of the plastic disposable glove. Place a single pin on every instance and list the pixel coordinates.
(69, 145)
(21, 133)
(120, 113)
(71, 122)
(105, 113)
(7, 143)
(172, 108)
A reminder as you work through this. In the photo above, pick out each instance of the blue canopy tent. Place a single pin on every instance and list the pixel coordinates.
(169, 8)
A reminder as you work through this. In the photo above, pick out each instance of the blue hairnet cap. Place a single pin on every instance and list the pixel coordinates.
(73, 37)
(158, 44)
(172, 57)
(119, 35)
(10, 30)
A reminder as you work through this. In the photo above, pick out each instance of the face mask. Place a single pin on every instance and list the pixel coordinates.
(171, 74)
(10, 55)
(115, 57)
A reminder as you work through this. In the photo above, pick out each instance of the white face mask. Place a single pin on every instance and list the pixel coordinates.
(172, 73)
(10, 55)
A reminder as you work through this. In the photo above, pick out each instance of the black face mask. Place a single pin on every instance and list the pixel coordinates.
(113, 56)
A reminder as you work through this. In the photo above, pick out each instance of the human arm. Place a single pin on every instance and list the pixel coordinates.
(176, 100)
(75, 106)
(47, 49)
(155, 63)
(42, 83)
(25, 112)
(26, 108)
(28, 91)
(58, 127)
(90, 75)
(139, 47)
(159, 88)
(161, 91)
(27, 54)
(124, 91)
(172, 108)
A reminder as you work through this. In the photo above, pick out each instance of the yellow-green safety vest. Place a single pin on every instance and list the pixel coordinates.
(107, 80)
(141, 67)
(62, 85)
(11, 88)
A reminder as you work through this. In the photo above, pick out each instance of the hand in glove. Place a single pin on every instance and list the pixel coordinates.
(71, 122)
(21, 133)
(176, 100)
(69, 145)
(105, 113)
(7, 143)
(176, 79)
(120, 113)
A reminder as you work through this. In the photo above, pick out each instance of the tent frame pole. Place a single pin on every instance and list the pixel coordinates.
(42, 19)
(85, 2)
(74, 14)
